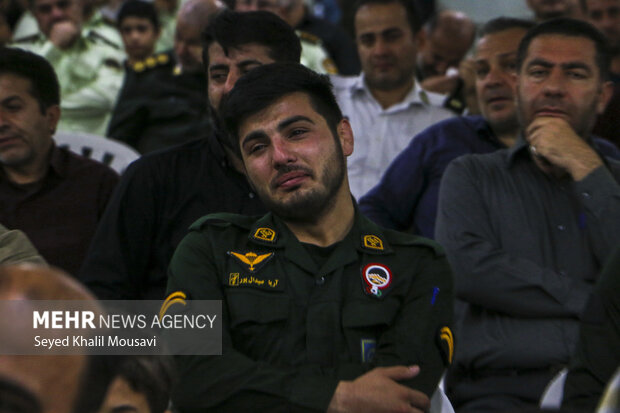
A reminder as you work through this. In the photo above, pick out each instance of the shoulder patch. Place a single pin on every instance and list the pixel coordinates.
(265, 234)
(112, 63)
(158, 60)
(372, 242)
(329, 66)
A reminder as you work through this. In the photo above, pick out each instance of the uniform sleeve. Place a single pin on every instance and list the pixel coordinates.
(487, 275)
(422, 333)
(117, 261)
(393, 201)
(233, 382)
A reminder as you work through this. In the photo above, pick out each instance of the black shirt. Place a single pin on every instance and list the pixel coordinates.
(158, 198)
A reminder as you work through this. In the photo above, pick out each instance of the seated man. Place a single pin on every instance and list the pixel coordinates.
(53, 195)
(322, 309)
(88, 65)
(528, 228)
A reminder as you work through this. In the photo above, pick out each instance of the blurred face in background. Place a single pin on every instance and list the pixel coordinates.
(139, 37)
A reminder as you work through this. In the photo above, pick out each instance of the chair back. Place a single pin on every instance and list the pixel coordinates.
(115, 154)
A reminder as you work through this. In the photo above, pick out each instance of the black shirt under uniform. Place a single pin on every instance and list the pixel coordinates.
(60, 212)
(159, 197)
(159, 107)
(338, 43)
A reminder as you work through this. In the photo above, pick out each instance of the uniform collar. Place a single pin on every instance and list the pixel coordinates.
(365, 237)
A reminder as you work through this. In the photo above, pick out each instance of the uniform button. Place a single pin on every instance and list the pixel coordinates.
(586, 195)
(320, 281)
(251, 195)
(561, 227)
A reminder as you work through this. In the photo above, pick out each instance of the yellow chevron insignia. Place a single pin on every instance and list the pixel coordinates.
(265, 234)
(445, 334)
(251, 259)
(373, 242)
(175, 297)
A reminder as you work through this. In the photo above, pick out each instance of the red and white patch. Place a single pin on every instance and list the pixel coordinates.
(376, 277)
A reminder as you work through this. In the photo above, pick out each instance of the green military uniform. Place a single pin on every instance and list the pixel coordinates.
(314, 55)
(293, 327)
(105, 28)
(90, 74)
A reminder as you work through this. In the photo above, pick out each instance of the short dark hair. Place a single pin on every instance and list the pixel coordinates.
(232, 30)
(44, 85)
(263, 86)
(501, 24)
(572, 28)
(138, 8)
(410, 9)
(151, 376)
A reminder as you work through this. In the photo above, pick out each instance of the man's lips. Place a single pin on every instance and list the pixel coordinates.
(9, 140)
(291, 179)
(551, 112)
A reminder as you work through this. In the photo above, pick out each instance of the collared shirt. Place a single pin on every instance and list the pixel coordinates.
(406, 198)
(525, 248)
(294, 326)
(160, 195)
(60, 212)
(381, 134)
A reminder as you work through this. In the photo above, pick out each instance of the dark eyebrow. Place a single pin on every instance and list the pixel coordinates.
(260, 134)
(576, 65)
(286, 122)
(9, 99)
(540, 62)
(253, 136)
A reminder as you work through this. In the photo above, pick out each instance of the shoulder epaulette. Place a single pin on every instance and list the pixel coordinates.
(96, 37)
(309, 37)
(27, 39)
(151, 62)
(223, 219)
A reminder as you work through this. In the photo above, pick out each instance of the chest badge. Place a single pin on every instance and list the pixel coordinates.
(251, 259)
(376, 277)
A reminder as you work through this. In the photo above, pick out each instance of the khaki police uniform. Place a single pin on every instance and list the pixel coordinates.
(293, 328)
(90, 74)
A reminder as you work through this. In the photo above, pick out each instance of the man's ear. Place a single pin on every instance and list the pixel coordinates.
(345, 135)
(607, 91)
(52, 114)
